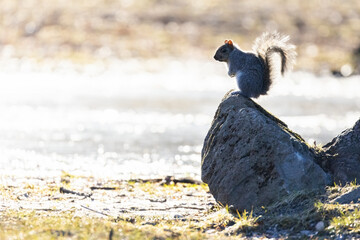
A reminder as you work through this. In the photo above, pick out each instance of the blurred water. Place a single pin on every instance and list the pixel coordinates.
(143, 118)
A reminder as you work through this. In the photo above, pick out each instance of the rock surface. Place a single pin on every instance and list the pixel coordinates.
(251, 159)
(351, 197)
(341, 156)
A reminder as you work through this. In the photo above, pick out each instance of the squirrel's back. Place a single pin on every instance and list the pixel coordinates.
(269, 43)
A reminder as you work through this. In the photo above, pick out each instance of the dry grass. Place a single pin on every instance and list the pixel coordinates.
(35, 209)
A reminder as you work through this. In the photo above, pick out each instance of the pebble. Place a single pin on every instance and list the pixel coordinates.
(23, 196)
(210, 231)
(306, 232)
(320, 226)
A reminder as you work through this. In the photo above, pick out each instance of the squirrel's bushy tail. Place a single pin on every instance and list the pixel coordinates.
(266, 45)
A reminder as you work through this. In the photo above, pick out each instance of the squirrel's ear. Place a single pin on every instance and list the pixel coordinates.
(226, 41)
(230, 42)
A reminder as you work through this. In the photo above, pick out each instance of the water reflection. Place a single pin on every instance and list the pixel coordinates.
(131, 119)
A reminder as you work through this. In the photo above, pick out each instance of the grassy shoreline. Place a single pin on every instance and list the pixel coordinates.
(35, 208)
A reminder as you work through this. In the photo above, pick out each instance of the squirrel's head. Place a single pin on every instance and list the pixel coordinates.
(223, 52)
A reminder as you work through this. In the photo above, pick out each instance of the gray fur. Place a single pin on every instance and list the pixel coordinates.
(256, 71)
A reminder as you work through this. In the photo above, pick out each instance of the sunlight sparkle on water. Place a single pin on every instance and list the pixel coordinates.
(132, 118)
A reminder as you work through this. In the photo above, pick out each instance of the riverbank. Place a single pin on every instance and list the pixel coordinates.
(78, 207)
(85, 207)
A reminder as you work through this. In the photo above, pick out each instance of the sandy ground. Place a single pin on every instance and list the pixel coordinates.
(100, 197)
(93, 208)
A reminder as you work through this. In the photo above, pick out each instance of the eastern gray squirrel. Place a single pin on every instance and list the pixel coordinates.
(255, 71)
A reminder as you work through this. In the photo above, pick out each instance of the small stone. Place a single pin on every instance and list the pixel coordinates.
(210, 231)
(178, 216)
(306, 232)
(320, 226)
(23, 196)
(149, 223)
(232, 209)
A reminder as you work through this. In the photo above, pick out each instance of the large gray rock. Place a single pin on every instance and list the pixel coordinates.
(251, 159)
(341, 156)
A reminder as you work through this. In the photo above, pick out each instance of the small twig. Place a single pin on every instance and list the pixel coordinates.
(187, 207)
(168, 208)
(103, 188)
(94, 210)
(111, 234)
(64, 190)
(170, 179)
(157, 200)
(43, 209)
(151, 180)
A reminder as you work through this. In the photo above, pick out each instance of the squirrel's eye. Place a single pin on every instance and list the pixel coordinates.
(223, 50)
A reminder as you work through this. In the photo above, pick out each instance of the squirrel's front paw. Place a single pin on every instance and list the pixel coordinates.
(236, 93)
(231, 74)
